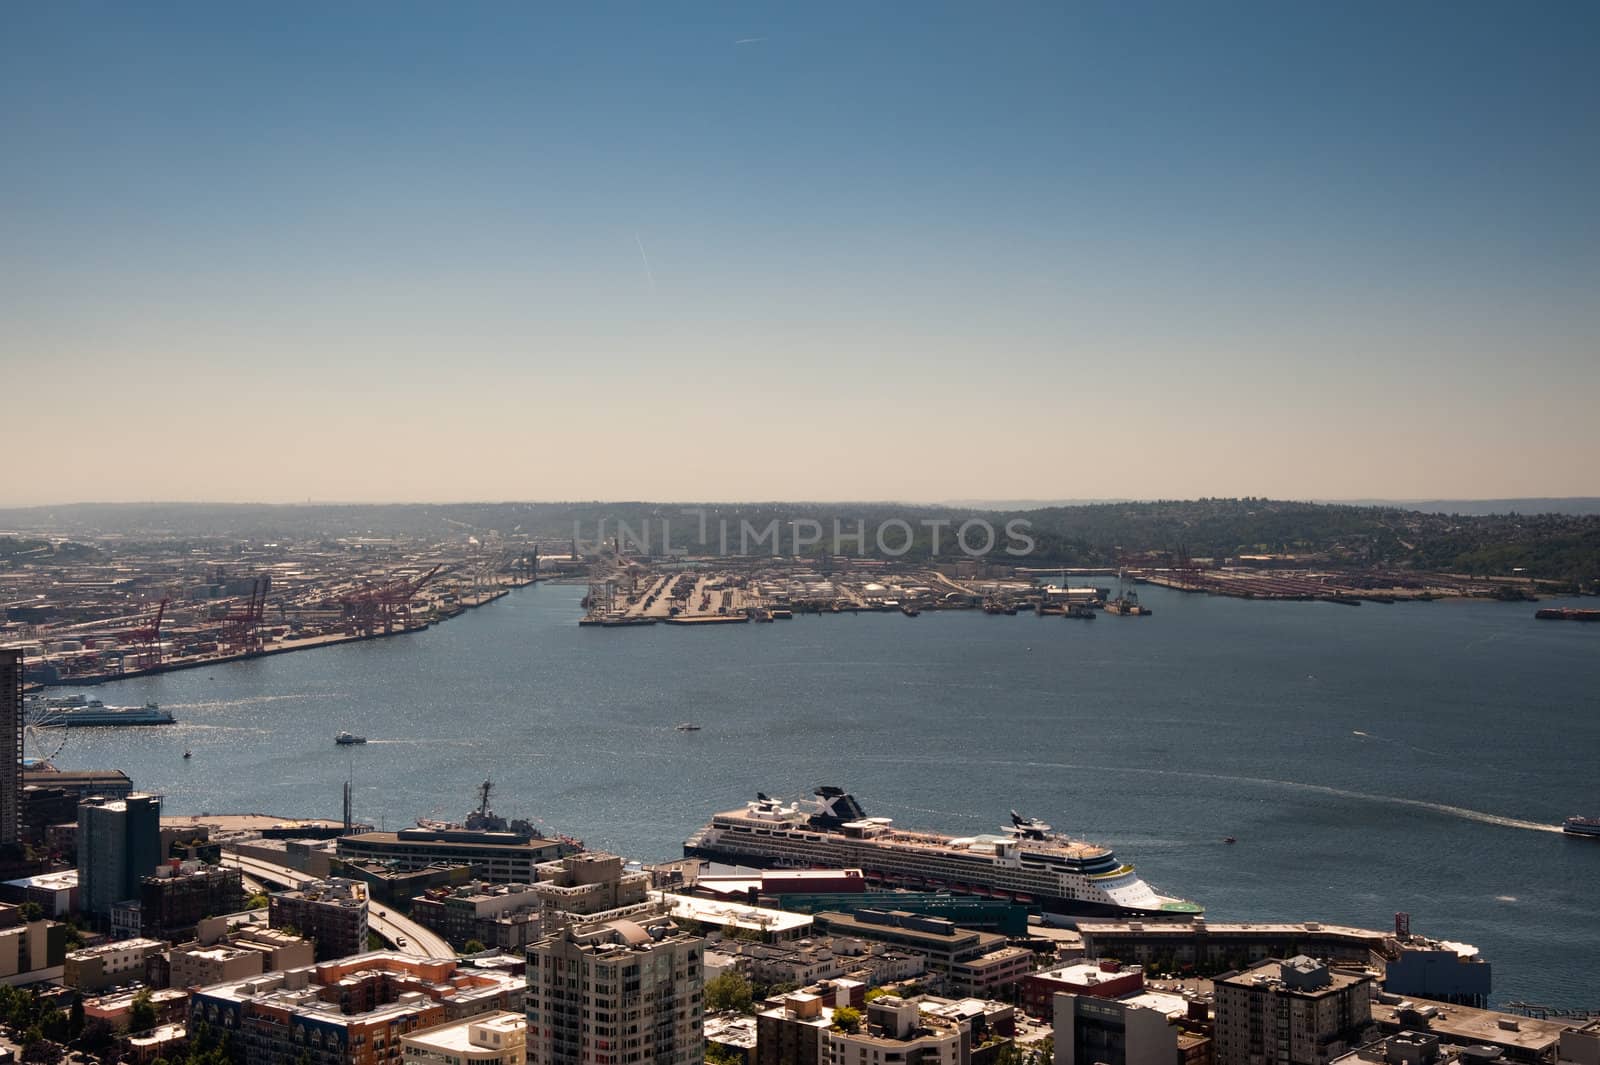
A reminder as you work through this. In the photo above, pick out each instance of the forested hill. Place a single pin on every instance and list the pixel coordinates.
(1557, 546)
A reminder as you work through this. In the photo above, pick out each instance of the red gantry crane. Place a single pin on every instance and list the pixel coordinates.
(147, 638)
(241, 629)
(382, 607)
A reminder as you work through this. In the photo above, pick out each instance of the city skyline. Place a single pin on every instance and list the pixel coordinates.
(1102, 251)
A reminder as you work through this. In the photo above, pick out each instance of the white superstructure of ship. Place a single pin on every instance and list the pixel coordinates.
(79, 711)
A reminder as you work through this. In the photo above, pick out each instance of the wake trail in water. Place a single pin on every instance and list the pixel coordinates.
(253, 700)
(1398, 743)
(1462, 812)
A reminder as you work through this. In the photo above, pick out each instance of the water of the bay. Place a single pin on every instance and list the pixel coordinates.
(1368, 759)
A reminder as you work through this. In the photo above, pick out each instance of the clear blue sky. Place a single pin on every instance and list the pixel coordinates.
(921, 251)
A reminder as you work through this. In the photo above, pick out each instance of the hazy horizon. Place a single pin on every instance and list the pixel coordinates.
(1552, 504)
(374, 253)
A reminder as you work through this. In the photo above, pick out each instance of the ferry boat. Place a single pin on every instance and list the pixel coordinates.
(78, 711)
(345, 739)
(1026, 861)
(1581, 826)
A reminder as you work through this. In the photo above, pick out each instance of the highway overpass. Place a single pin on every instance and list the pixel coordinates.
(406, 935)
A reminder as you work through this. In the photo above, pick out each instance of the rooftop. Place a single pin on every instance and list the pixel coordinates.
(417, 982)
(1464, 1024)
(116, 946)
(930, 932)
(120, 1000)
(421, 837)
(732, 915)
(460, 1037)
(1201, 927)
(1088, 973)
(63, 880)
(1295, 976)
(1160, 1001)
(731, 1029)
(334, 891)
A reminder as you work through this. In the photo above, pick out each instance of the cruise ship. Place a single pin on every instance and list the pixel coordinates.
(1025, 861)
(77, 711)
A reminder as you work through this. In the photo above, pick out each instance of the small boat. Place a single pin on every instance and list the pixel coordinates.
(1229, 839)
(687, 727)
(345, 739)
(188, 754)
(1581, 826)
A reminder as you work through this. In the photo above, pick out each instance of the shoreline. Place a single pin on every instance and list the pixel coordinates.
(283, 646)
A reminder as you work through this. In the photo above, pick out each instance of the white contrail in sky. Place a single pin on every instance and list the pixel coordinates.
(651, 274)
(749, 40)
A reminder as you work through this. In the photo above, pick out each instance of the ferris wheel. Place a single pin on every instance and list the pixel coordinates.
(42, 740)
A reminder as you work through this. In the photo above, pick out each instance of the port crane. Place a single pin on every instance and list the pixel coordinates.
(380, 607)
(241, 629)
(148, 639)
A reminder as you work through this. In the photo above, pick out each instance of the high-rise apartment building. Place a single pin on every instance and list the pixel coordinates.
(617, 992)
(119, 844)
(1295, 1012)
(332, 913)
(178, 895)
(10, 747)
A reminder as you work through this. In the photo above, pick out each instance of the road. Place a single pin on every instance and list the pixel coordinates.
(390, 925)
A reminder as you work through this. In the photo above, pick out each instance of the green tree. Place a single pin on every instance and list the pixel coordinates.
(31, 911)
(847, 1018)
(474, 947)
(41, 1052)
(97, 1036)
(142, 1013)
(717, 1054)
(876, 993)
(55, 1024)
(257, 901)
(75, 1019)
(730, 991)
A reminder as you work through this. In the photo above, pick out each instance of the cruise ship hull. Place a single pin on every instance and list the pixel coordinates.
(93, 721)
(1047, 905)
